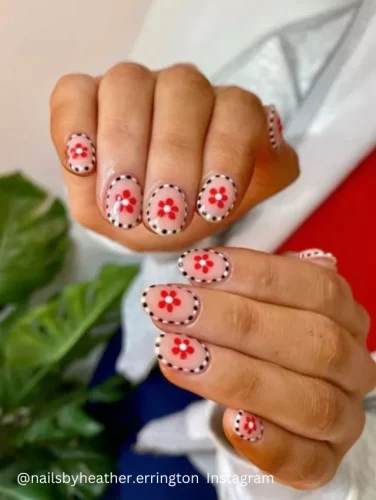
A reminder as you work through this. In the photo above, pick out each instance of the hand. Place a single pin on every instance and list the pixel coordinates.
(202, 155)
(278, 340)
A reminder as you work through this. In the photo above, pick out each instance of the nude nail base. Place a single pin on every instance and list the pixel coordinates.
(248, 426)
(182, 353)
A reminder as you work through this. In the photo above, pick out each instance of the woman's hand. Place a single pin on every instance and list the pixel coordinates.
(281, 342)
(164, 153)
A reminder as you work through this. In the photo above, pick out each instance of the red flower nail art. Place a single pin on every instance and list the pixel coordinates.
(203, 263)
(125, 200)
(170, 300)
(250, 425)
(218, 196)
(78, 151)
(167, 208)
(182, 348)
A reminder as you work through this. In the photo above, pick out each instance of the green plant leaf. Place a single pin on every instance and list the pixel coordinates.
(44, 338)
(33, 238)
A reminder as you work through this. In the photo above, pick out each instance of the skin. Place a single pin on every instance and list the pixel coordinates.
(172, 125)
(165, 126)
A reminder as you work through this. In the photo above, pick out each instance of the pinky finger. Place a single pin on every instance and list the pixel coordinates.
(291, 459)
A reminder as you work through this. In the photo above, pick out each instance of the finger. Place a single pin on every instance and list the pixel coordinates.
(297, 461)
(74, 122)
(74, 111)
(124, 124)
(322, 348)
(182, 108)
(278, 280)
(303, 405)
(234, 135)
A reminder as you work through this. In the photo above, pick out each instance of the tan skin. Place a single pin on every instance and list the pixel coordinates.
(308, 393)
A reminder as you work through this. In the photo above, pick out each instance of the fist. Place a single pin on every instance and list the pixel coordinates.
(160, 160)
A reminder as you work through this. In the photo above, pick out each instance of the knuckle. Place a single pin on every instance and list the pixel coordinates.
(333, 289)
(333, 348)
(82, 216)
(242, 319)
(174, 144)
(134, 72)
(233, 92)
(267, 276)
(68, 85)
(326, 408)
(183, 75)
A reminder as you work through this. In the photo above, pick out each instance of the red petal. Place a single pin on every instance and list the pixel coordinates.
(221, 204)
(162, 304)
(170, 308)
(197, 257)
(133, 201)
(172, 216)
(85, 148)
(83, 155)
(175, 208)
(177, 302)
(78, 145)
(197, 266)
(222, 190)
(210, 263)
(183, 355)
(185, 341)
(224, 197)
(161, 204)
(205, 269)
(190, 350)
(160, 213)
(169, 201)
(164, 293)
(129, 209)
(121, 208)
(212, 201)
(173, 293)
(126, 193)
(177, 341)
(213, 191)
(175, 350)
(75, 156)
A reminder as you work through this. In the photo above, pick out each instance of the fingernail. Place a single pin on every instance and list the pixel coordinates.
(170, 304)
(182, 353)
(80, 154)
(217, 198)
(124, 202)
(275, 127)
(167, 210)
(319, 257)
(248, 426)
(204, 266)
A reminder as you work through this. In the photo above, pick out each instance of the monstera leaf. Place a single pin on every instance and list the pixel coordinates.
(47, 336)
(33, 238)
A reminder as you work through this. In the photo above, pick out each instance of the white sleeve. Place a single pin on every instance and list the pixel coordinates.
(239, 480)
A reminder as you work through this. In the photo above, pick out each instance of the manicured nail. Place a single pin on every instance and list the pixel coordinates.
(167, 210)
(170, 304)
(182, 353)
(248, 426)
(80, 154)
(124, 202)
(275, 127)
(319, 256)
(217, 198)
(204, 266)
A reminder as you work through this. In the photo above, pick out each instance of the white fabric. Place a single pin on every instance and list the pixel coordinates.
(339, 122)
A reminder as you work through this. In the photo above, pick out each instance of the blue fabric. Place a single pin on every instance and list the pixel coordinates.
(154, 398)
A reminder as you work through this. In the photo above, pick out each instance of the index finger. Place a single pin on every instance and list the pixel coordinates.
(279, 280)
